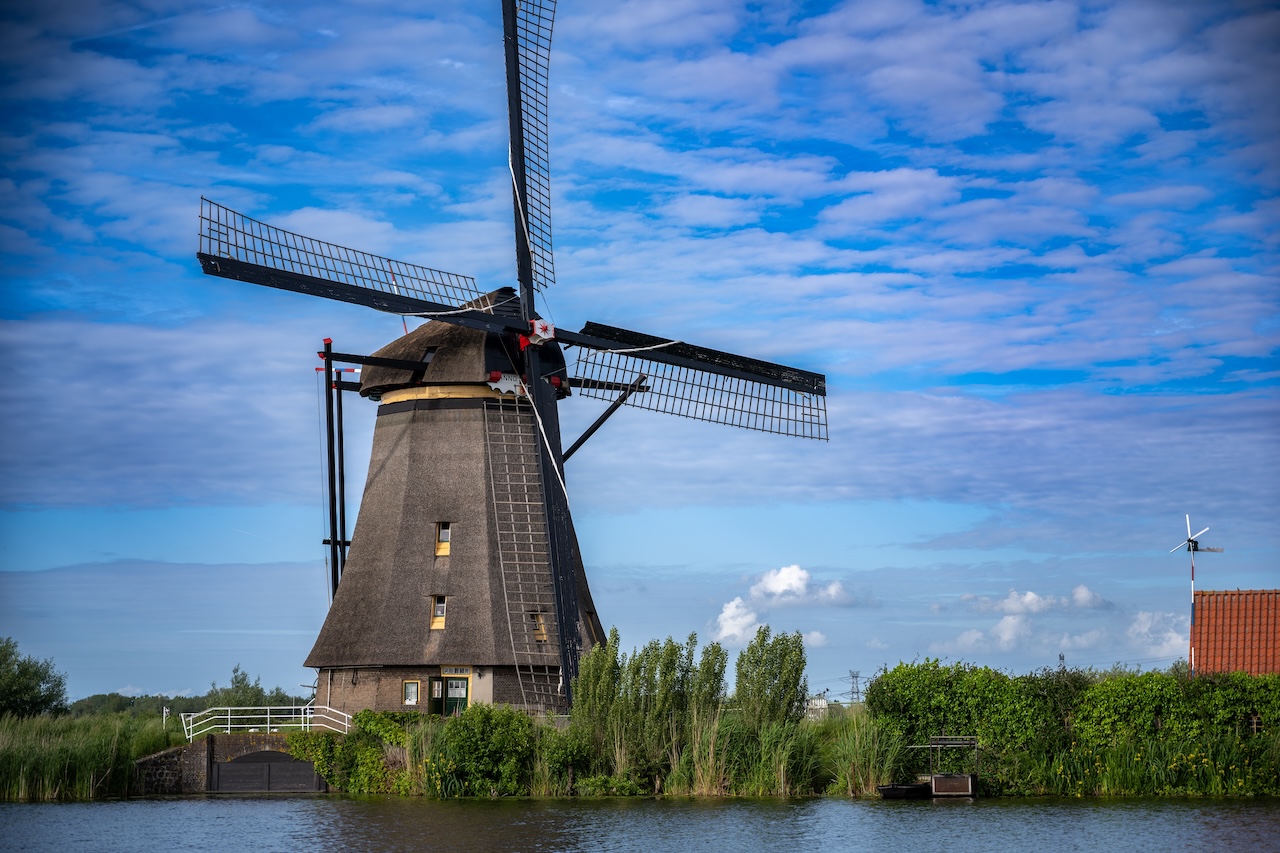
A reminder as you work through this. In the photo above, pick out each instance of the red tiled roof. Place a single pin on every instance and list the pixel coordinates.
(1236, 631)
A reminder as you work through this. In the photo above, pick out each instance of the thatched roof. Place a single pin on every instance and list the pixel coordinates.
(431, 463)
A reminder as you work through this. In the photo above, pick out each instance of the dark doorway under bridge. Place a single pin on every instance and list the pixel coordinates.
(267, 771)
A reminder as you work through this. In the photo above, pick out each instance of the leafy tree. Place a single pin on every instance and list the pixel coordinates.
(239, 694)
(770, 687)
(29, 687)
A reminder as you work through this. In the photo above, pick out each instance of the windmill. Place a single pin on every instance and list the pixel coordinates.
(463, 573)
(1192, 544)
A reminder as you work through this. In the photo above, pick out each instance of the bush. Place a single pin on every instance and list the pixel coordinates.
(492, 748)
(1084, 732)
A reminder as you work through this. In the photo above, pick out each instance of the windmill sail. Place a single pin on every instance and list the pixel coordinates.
(681, 379)
(454, 452)
(233, 245)
(528, 40)
(703, 384)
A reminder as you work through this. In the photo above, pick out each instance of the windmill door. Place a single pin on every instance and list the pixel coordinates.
(447, 696)
(455, 696)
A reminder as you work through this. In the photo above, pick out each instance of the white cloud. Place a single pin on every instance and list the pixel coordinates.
(1010, 631)
(971, 640)
(1078, 642)
(1159, 635)
(788, 582)
(815, 639)
(736, 624)
(790, 585)
(1032, 602)
(1082, 596)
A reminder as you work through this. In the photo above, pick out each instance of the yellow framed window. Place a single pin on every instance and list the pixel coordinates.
(410, 692)
(443, 536)
(437, 612)
(538, 623)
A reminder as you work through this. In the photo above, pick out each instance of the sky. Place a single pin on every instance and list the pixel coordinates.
(1033, 247)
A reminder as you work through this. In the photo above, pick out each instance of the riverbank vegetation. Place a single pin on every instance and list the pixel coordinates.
(1080, 732)
(658, 721)
(661, 720)
(75, 758)
(86, 750)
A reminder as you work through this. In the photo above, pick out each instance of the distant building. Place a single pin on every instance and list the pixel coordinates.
(1235, 631)
(817, 707)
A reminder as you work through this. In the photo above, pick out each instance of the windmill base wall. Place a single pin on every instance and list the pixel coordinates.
(354, 689)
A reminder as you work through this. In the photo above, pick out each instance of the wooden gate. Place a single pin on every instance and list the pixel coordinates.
(266, 771)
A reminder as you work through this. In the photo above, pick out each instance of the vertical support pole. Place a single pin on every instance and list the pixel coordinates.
(332, 469)
(1191, 664)
(342, 475)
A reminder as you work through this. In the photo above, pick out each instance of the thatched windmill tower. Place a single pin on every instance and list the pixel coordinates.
(464, 581)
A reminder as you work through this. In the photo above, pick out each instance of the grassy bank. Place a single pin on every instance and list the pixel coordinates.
(661, 720)
(493, 751)
(657, 721)
(75, 758)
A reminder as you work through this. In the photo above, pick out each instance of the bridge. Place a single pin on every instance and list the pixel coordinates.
(238, 750)
(286, 718)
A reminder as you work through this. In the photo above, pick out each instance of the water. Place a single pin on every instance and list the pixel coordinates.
(293, 824)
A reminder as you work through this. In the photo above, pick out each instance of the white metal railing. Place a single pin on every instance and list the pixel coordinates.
(264, 719)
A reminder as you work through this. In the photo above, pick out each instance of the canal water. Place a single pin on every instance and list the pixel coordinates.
(293, 824)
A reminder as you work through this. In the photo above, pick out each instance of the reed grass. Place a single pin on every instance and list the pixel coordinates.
(862, 755)
(70, 758)
(1213, 767)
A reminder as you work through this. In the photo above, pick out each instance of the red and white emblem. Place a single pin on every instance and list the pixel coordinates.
(541, 331)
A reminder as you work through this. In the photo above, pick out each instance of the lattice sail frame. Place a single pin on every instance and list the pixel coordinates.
(534, 19)
(703, 396)
(224, 233)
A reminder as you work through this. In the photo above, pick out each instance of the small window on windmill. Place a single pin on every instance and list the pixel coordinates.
(437, 612)
(442, 539)
(538, 623)
(411, 692)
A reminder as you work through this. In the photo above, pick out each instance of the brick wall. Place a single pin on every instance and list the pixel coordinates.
(185, 769)
(178, 770)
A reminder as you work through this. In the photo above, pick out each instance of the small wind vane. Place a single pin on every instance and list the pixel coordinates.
(1192, 544)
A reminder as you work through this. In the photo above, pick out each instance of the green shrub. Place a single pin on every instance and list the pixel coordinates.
(492, 748)
(1080, 732)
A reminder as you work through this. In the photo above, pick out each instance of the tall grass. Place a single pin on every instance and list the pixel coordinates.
(708, 767)
(863, 755)
(1213, 767)
(70, 758)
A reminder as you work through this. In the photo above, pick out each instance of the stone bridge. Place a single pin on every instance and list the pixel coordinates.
(237, 762)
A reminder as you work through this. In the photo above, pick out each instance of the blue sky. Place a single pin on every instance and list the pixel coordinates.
(1032, 245)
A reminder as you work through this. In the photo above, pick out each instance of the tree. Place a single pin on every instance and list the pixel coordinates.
(239, 694)
(770, 686)
(28, 686)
